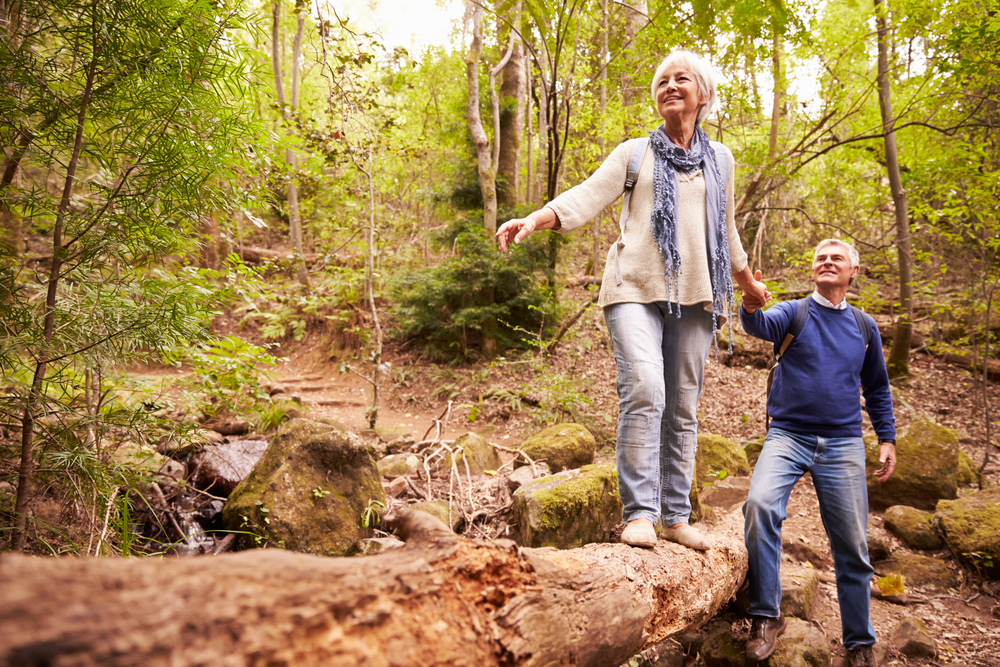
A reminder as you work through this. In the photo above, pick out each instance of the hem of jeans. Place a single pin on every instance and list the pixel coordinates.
(769, 614)
(674, 519)
(642, 515)
(857, 646)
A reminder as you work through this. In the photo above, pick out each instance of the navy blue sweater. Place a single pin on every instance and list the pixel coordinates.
(815, 388)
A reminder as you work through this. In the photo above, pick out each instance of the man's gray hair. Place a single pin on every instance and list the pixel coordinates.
(702, 72)
(852, 252)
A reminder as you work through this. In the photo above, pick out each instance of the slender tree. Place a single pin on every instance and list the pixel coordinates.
(899, 355)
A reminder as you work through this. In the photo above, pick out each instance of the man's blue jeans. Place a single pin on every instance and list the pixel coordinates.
(661, 370)
(837, 466)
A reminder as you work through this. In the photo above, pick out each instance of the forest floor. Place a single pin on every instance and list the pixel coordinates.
(509, 400)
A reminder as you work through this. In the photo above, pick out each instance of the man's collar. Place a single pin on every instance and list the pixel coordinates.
(823, 301)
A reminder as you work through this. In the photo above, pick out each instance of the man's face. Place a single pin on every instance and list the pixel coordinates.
(832, 267)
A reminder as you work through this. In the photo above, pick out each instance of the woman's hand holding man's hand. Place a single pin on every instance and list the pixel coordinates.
(755, 294)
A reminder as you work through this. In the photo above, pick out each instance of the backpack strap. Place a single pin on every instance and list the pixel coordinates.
(634, 164)
(720, 155)
(864, 324)
(794, 329)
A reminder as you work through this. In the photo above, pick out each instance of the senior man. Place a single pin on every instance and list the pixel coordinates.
(815, 427)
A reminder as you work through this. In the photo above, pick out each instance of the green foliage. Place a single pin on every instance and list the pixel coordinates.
(370, 515)
(475, 295)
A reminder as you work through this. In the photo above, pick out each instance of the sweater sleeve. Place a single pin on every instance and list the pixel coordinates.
(770, 324)
(875, 388)
(579, 204)
(737, 256)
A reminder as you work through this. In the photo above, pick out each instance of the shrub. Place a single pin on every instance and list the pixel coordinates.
(478, 298)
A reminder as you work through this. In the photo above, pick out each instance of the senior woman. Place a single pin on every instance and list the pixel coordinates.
(668, 284)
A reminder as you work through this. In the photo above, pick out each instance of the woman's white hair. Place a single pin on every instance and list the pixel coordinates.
(702, 72)
(852, 252)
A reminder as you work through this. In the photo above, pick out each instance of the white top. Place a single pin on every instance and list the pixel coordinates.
(641, 264)
(823, 301)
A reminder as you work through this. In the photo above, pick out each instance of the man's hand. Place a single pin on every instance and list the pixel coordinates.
(887, 457)
(755, 294)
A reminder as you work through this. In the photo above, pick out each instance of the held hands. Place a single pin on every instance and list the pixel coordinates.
(887, 457)
(755, 294)
(514, 231)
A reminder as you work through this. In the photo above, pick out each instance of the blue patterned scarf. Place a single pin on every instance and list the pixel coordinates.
(668, 160)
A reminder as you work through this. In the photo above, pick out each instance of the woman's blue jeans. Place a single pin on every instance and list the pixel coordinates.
(661, 370)
(837, 466)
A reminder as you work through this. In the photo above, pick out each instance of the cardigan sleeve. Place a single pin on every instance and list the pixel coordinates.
(581, 203)
(737, 256)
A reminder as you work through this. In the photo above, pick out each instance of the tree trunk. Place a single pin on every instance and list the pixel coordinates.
(294, 220)
(26, 468)
(439, 600)
(487, 174)
(635, 91)
(899, 354)
(513, 91)
(595, 246)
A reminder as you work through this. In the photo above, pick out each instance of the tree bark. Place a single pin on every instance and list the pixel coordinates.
(899, 354)
(439, 600)
(634, 73)
(484, 162)
(513, 92)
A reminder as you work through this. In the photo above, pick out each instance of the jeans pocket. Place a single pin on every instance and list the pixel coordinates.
(632, 429)
(688, 444)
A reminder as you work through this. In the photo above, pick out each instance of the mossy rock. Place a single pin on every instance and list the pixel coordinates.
(439, 510)
(919, 571)
(308, 491)
(802, 645)
(563, 446)
(752, 449)
(722, 649)
(913, 527)
(717, 454)
(396, 465)
(799, 586)
(699, 511)
(966, 469)
(971, 527)
(568, 509)
(926, 469)
(480, 455)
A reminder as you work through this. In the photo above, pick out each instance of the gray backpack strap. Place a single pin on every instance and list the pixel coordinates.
(720, 155)
(634, 164)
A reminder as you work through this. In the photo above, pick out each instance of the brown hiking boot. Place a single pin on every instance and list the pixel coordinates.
(764, 633)
(862, 656)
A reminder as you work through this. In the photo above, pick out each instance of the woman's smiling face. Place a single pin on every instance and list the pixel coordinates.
(677, 93)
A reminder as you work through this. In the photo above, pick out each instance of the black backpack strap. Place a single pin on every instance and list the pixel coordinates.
(794, 329)
(864, 324)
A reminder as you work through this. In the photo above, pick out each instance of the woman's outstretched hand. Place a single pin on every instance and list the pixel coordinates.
(514, 231)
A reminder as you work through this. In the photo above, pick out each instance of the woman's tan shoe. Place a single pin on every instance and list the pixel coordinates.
(686, 535)
(639, 533)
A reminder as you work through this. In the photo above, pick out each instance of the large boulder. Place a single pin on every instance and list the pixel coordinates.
(926, 469)
(568, 509)
(477, 452)
(717, 454)
(220, 467)
(913, 527)
(563, 446)
(752, 449)
(309, 490)
(971, 527)
(447, 513)
(799, 586)
(919, 571)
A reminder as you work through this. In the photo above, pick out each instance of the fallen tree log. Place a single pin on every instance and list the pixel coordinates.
(439, 600)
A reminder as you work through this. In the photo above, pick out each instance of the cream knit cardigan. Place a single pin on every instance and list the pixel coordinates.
(641, 263)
